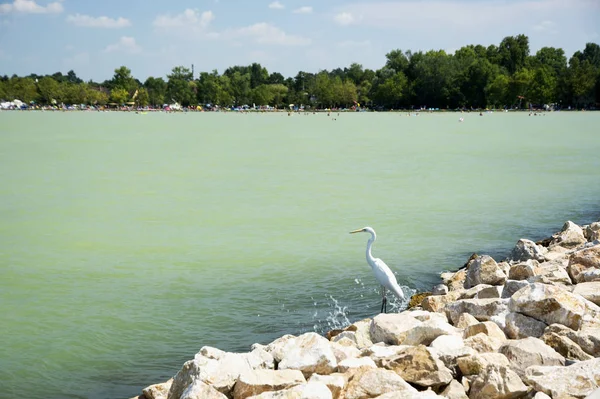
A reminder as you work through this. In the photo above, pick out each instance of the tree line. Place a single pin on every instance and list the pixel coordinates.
(474, 76)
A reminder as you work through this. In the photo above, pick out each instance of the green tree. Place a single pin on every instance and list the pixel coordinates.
(240, 87)
(96, 96)
(543, 85)
(324, 89)
(179, 88)
(122, 79)
(119, 96)
(397, 60)
(262, 95)
(49, 90)
(23, 89)
(513, 52)
(582, 80)
(258, 75)
(157, 89)
(391, 92)
(519, 86)
(497, 91)
(142, 99)
(276, 78)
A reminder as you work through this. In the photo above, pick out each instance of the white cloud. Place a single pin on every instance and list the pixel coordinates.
(264, 33)
(303, 10)
(98, 22)
(126, 44)
(189, 19)
(344, 18)
(276, 5)
(31, 7)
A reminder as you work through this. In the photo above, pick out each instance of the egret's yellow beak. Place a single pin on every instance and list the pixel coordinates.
(357, 231)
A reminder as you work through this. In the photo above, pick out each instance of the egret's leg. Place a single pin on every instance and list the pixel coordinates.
(383, 301)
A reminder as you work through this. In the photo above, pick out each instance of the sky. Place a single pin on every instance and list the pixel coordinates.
(151, 37)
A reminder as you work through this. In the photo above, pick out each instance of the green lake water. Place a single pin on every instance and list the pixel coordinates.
(128, 242)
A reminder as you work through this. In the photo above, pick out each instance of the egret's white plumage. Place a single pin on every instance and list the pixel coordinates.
(382, 272)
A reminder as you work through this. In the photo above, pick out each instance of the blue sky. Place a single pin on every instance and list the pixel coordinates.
(151, 37)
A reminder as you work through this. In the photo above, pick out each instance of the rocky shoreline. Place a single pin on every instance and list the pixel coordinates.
(525, 327)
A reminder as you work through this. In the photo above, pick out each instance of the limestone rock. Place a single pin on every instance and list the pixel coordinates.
(570, 236)
(424, 315)
(484, 270)
(553, 272)
(362, 333)
(550, 304)
(577, 380)
(525, 250)
(494, 291)
(157, 391)
(524, 270)
(582, 261)
(355, 363)
(392, 328)
(201, 390)
(370, 383)
(465, 320)
(351, 335)
(590, 291)
(520, 326)
(590, 275)
(417, 299)
(496, 382)
(477, 363)
(427, 331)
(336, 382)
(481, 309)
(592, 232)
(565, 346)
(530, 351)
(378, 352)
(449, 348)
(342, 352)
(489, 328)
(454, 390)
(310, 390)
(541, 395)
(437, 303)
(473, 291)
(419, 366)
(589, 338)
(440, 289)
(276, 347)
(408, 395)
(310, 353)
(222, 372)
(454, 280)
(255, 382)
(483, 343)
(512, 286)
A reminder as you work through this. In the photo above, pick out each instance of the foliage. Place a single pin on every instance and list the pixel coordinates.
(503, 75)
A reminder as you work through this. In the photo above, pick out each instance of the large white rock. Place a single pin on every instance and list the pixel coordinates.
(582, 262)
(520, 326)
(409, 395)
(592, 232)
(255, 382)
(342, 351)
(465, 320)
(524, 270)
(577, 380)
(494, 291)
(590, 291)
(489, 328)
(356, 363)
(497, 382)
(481, 309)
(454, 390)
(550, 304)
(310, 353)
(379, 352)
(424, 315)
(276, 348)
(527, 249)
(565, 346)
(473, 291)
(570, 236)
(370, 383)
(310, 390)
(362, 333)
(220, 371)
(483, 343)
(419, 365)
(157, 391)
(484, 270)
(392, 328)
(429, 330)
(530, 351)
(477, 363)
(336, 382)
(448, 348)
(200, 390)
(552, 272)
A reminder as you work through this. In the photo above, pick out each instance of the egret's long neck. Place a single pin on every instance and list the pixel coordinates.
(369, 246)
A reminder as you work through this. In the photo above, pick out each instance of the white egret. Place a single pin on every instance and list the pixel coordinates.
(382, 272)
